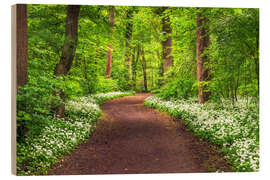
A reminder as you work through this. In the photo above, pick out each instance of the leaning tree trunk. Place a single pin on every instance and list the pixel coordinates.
(109, 55)
(202, 43)
(22, 44)
(71, 38)
(166, 43)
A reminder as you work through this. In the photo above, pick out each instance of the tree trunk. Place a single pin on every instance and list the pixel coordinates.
(160, 70)
(109, 55)
(128, 37)
(133, 68)
(71, 38)
(135, 60)
(166, 43)
(202, 44)
(144, 71)
(21, 55)
(22, 44)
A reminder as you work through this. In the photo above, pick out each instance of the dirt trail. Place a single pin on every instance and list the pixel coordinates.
(132, 138)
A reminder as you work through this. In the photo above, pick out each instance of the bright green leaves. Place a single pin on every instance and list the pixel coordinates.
(178, 89)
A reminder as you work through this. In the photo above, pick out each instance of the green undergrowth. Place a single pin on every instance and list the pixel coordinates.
(60, 136)
(233, 127)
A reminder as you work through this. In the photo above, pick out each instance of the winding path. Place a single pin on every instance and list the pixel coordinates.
(132, 138)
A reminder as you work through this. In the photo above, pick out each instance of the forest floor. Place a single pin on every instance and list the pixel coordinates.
(132, 138)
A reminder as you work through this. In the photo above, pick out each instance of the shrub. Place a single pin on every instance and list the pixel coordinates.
(34, 102)
(106, 85)
(178, 88)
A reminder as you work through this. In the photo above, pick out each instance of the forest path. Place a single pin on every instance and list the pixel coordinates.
(132, 138)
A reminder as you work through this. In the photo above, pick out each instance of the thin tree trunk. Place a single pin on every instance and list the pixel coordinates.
(135, 60)
(128, 37)
(109, 61)
(132, 68)
(110, 47)
(232, 89)
(63, 67)
(237, 83)
(144, 71)
(202, 44)
(22, 44)
(160, 70)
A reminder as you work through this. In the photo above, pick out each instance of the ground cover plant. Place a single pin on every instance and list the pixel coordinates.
(60, 136)
(234, 127)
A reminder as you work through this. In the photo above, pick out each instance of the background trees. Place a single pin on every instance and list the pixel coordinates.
(145, 41)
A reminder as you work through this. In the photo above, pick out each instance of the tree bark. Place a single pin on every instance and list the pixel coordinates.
(160, 70)
(21, 55)
(135, 60)
(110, 48)
(167, 43)
(202, 43)
(22, 44)
(69, 48)
(144, 71)
(128, 37)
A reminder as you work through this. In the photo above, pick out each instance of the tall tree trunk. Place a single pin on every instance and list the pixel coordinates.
(144, 71)
(22, 44)
(69, 48)
(166, 43)
(128, 37)
(135, 60)
(160, 70)
(202, 44)
(109, 55)
(133, 74)
(21, 55)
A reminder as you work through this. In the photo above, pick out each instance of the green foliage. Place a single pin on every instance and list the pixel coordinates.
(72, 87)
(177, 89)
(35, 102)
(106, 85)
(234, 52)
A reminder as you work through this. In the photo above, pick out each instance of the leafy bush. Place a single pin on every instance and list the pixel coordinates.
(106, 85)
(178, 88)
(34, 102)
(73, 87)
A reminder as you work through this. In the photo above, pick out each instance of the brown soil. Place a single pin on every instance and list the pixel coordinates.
(132, 138)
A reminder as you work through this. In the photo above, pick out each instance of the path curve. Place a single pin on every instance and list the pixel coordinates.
(132, 138)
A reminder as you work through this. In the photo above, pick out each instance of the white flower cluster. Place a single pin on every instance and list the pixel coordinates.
(235, 128)
(62, 135)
